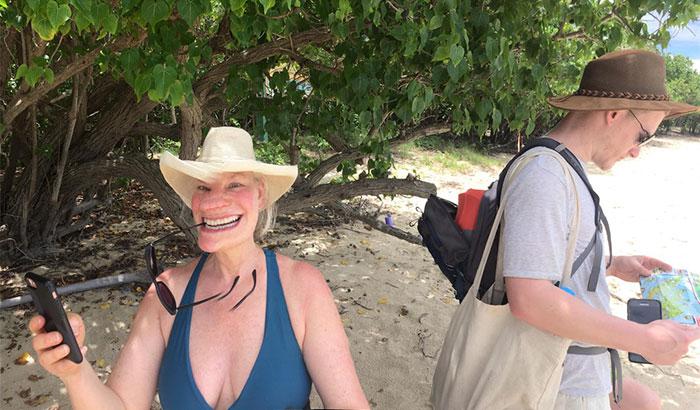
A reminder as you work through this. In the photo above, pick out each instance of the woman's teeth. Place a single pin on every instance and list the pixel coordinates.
(221, 223)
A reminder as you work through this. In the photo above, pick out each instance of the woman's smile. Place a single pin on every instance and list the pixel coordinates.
(221, 224)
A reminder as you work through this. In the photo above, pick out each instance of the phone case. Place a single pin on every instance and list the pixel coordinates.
(48, 304)
(642, 311)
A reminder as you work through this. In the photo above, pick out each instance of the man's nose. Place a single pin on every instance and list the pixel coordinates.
(634, 152)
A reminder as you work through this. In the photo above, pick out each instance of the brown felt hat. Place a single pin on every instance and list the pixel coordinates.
(623, 80)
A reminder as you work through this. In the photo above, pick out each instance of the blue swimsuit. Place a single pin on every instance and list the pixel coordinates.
(278, 380)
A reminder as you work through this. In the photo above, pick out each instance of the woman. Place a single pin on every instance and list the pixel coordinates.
(264, 325)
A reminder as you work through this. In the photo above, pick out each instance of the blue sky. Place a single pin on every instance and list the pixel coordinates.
(685, 42)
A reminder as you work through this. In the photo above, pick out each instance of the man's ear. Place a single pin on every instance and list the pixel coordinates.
(612, 116)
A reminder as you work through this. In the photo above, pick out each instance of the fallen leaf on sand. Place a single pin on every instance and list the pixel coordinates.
(24, 358)
(383, 301)
(38, 400)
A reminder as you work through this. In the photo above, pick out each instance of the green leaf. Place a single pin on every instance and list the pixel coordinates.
(456, 54)
(153, 11)
(83, 6)
(429, 95)
(81, 21)
(267, 5)
(344, 10)
(491, 48)
(142, 84)
(412, 89)
(237, 7)
(442, 53)
(530, 127)
(418, 105)
(48, 74)
(34, 5)
(189, 10)
(3, 5)
(483, 108)
(43, 27)
(52, 12)
(435, 22)
(163, 76)
(21, 71)
(33, 75)
(57, 14)
(497, 117)
(129, 59)
(177, 94)
(110, 24)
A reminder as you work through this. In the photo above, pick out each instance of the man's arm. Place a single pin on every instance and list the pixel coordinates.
(546, 307)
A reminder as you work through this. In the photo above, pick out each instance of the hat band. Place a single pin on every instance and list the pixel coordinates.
(611, 94)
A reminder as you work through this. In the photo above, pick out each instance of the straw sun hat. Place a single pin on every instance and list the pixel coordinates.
(225, 149)
(623, 80)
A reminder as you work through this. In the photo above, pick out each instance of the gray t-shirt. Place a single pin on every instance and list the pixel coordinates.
(537, 219)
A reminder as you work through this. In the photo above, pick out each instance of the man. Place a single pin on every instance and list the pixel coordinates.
(619, 105)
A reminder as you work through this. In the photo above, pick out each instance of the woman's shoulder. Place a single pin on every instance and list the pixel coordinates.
(302, 276)
(177, 277)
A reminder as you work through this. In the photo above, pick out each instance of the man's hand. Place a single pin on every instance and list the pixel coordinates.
(667, 341)
(631, 268)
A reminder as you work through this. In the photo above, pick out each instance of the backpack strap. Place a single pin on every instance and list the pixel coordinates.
(615, 365)
(497, 293)
(601, 221)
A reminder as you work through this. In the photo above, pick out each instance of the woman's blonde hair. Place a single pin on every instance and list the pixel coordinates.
(266, 216)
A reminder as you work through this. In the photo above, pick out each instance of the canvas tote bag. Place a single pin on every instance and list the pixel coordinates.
(491, 360)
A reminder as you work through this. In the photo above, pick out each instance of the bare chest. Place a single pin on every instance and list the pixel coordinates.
(224, 346)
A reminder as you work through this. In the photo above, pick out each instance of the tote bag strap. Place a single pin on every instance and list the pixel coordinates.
(497, 292)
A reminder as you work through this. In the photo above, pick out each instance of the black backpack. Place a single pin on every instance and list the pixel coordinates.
(458, 253)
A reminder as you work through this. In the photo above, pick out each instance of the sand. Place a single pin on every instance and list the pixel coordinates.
(393, 300)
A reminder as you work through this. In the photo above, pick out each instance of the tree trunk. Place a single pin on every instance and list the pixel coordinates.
(78, 93)
(138, 167)
(33, 170)
(190, 129)
(17, 151)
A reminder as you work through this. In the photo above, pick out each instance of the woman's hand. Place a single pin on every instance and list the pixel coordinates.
(52, 353)
(631, 268)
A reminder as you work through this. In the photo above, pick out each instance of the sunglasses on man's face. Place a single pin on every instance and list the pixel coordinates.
(163, 292)
(644, 135)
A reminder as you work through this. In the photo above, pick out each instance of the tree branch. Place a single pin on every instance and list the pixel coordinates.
(331, 163)
(353, 213)
(581, 33)
(312, 64)
(329, 193)
(22, 101)
(219, 72)
(169, 131)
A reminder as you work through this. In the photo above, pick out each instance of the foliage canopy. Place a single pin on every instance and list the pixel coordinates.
(83, 81)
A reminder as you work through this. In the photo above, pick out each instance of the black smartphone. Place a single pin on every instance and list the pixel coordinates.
(642, 311)
(48, 304)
